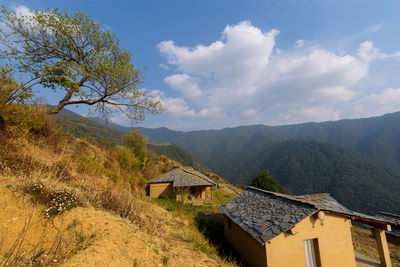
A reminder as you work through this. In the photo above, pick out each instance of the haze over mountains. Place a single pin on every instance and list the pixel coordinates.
(357, 161)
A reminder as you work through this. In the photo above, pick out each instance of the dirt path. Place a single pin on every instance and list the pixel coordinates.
(230, 189)
(364, 261)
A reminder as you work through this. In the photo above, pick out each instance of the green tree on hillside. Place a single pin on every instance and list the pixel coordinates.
(266, 181)
(73, 55)
(136, 142)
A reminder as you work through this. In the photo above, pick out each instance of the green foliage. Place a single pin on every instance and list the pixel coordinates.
(126, 158)
(89, 129)
(367, 181)
(73, 54)
(10, 91)
(176, 153)
(266, 181)
(136, 142)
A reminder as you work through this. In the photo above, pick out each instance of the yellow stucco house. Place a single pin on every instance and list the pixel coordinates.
(273, 229)
(183, 184)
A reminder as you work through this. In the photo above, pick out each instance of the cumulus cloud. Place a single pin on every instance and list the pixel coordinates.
(241, 47)
(244, 75)
(378, 104)
(299, 43)
(186, 84)
(368, 52)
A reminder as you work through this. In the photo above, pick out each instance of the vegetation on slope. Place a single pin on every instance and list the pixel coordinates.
(355, 181)
(88, 204)
(101, 134)
(176, 153)
(363, 180)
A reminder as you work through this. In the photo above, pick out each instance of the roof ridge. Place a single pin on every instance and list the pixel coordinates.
(284, 196)
(198, 174)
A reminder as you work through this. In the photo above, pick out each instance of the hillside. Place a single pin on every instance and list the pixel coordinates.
(372, 144)
(66, 202)
(97, 132)
(355, 179)
(176, 153)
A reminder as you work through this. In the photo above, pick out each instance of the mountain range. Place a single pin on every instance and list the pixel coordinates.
(357, 160)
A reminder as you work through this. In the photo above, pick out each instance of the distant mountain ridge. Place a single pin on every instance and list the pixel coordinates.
(370, 146)
(354, 160)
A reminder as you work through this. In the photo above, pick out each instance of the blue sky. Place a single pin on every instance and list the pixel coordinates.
(218, 63)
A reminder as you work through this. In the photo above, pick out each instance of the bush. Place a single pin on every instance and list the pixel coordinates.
(56, 199)
(266, 181)
(136, 142)
(126, 158)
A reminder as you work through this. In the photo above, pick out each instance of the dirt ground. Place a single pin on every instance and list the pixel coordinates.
(86, 236)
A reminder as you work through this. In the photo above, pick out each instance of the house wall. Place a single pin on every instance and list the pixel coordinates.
(161, 190)
(208, 193)
(252, 251)
(334, 243)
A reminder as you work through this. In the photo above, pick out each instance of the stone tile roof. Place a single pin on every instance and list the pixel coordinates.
(265, 214)
(180, 176)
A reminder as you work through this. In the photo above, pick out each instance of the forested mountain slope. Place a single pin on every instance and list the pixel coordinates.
(99, 133)
(354, 160)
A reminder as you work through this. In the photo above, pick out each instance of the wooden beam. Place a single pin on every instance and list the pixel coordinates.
(383, 248)
(293, 230)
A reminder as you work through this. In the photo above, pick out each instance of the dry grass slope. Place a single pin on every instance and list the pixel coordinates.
(70, 203)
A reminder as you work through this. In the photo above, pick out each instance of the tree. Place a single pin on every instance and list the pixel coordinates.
(71, 53)
(137, 142)
(266, 181)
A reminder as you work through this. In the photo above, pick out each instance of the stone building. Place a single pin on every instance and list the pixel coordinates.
(273, 229)
(183, 184)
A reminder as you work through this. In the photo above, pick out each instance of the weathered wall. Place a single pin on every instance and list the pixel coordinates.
(252, 251)
(208, 193)
(334, 242)
(161, 190)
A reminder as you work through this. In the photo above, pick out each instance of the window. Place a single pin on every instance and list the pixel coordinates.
(312, 252)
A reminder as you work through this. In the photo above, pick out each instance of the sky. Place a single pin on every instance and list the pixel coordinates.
(220, 63)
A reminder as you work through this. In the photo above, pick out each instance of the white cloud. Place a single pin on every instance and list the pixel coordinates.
(315, 114)
(378, 104)
(186, 84)
(337, 93)
(249, 113)
(368, 52)
(242, 47)
(245, 75)
(299, 43)
(163, 66)
(373, 28)
(177, 107)
(23, 11)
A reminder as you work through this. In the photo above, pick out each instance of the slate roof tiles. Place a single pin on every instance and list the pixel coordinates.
(265, 214)
(180, 177)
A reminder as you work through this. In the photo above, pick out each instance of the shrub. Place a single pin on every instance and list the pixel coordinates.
(126, 158)
(136, 142)
(266, 181)
(56, 199)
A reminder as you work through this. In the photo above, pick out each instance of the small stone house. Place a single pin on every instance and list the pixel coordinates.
(183, 184)
(273, 229)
